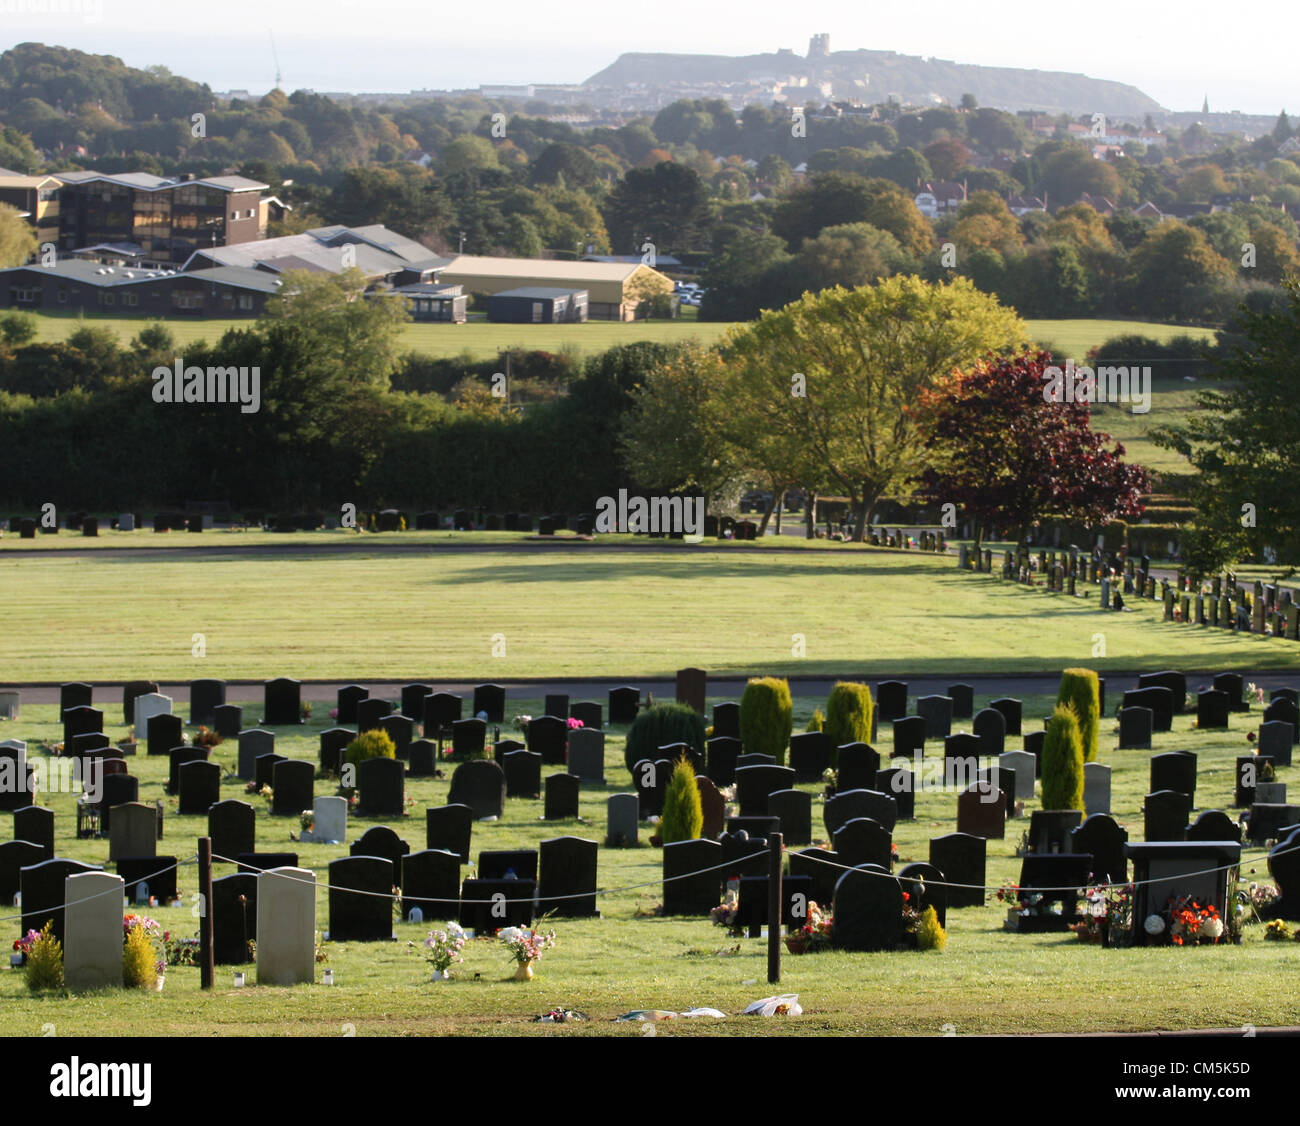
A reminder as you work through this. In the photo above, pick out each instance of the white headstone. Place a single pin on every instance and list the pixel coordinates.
(1023, 763)
(286, 926)
(1096, 788)
(92, 930)
(9, 700)
(147, 706)
(330, 825)
(14, 745)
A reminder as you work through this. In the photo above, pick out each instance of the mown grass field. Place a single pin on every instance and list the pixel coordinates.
(987, 981)
(484, 341)
(586, 611)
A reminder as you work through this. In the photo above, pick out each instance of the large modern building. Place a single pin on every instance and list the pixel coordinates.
(158, 221)
(614, 289)
(37, 197)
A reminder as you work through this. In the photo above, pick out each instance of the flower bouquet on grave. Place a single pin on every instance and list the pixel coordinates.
(307, 819)
(522, 722)
(443, 950)
(727, 912)
(23, 947)
(1190, 924)
(526, 947)
(814, 935)
(573, 724)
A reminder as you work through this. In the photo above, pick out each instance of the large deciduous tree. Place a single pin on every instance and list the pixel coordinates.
(1241, 444)
(839, 371)
(1006, 456)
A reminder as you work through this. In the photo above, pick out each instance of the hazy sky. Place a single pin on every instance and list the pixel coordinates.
(1177, 53)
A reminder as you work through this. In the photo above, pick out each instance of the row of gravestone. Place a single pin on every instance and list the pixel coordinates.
(282, 703)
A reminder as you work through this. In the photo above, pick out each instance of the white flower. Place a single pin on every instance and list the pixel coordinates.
(1154, 925)
(1212, 928)
(509, 934)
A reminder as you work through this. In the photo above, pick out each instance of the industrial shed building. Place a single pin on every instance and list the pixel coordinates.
(539, 305)
(72, 285)
(614, 289)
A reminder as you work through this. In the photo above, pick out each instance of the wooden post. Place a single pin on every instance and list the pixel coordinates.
(774, 908)
(206, 966)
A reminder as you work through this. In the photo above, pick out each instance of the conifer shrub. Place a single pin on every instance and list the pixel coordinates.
(44, 966)
(1063, 760)
(849, 710)
(929, 934)
(1081, 689)
(139, 960)
(683, 816)
(371, 744)
(818, 721)
(766, 717)
(659, 726)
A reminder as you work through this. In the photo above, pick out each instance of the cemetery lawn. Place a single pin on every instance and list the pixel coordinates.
(552, 612)
(987, 981)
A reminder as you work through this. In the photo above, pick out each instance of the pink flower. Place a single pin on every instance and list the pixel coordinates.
(574, 723)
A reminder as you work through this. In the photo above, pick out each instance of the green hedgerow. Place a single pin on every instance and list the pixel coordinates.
(371, 744)
(929, 934)
(44, 966)
(660, 725)
(766, 717)
(139, 960)
(1063, 760)
(849, 710)
(1081, 689)
(683, 816)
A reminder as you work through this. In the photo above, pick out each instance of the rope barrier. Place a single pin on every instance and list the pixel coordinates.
(99, 894)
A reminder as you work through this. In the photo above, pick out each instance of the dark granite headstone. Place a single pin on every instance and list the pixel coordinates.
(333, 743)
(990, 727)
(856, 767)
(35, 824)
(754, 783)
(282, 702)
(165, 733)
(488, 905)
(689, 888)
(380, 840)
(381, 788)
(360, 910)
(937, 711)
(158, 873)
(431, 883)
(1135, 728)
(346, 701)
(909, 736)
(370, 711)
(232, 825)
(481, 785)
(624, 703)
(561, 802)
(810, 755)
(234, 918)
(1103, 838)
(449, 828)
(547, 736)
(490, 698)
(726, 720)
(794, 808)
(41, 886)
(523, 771)
(206, 696)
(868, 910)
(1175, 770)
(1166, 814)
(228, 720)
(864, 841)
(293, 785)
(961, 858)
(1159, 699)
(567, 884)
(849, 804)
(692, 685)
(508, 864)
(16, 855)
(199, 787)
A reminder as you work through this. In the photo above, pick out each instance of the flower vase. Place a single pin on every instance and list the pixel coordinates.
(524, 972)
(158, 985)
(441, 975)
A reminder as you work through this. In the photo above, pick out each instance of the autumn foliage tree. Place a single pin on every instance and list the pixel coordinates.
(1007, 457)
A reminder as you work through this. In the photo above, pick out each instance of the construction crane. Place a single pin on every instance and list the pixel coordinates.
(276, 57)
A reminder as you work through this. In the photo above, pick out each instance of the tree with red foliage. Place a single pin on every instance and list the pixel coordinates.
(1006, 456)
